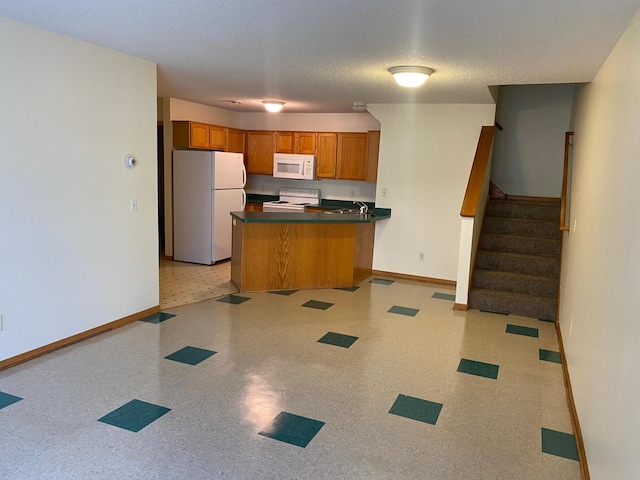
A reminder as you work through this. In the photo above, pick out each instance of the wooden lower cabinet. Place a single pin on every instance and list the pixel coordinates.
(283, 256)
(253, 207)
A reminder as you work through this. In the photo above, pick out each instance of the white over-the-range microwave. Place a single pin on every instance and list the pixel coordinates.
(294, 165)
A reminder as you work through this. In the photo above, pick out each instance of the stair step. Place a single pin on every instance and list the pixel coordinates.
(516, 283)
(500, 242)
(518, 263)
(522, 227)
(524, 209)
(514, 303)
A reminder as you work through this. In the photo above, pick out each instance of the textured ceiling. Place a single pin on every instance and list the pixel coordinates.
(324, 55)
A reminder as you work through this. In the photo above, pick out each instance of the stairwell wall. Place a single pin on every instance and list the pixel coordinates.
(601, 272)
(528, 153)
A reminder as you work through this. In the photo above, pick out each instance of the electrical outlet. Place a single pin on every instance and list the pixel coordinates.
(134, 205)
(385, 191)
(421, 256)
(575, 220)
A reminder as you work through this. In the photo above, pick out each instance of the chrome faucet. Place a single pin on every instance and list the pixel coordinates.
(364, 209)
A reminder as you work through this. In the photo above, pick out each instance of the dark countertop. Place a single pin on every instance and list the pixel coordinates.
(324, 203)
(286, 217)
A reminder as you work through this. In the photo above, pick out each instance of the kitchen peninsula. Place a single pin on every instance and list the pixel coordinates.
(286, 251)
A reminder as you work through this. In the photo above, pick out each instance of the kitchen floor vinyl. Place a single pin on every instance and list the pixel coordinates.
(245, 390)
(183, 283)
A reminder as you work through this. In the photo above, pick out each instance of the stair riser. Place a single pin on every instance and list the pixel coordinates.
(541, 211)
(518, 244)
(543, 287)
(527, 228)
(529, 265)
(537, 308)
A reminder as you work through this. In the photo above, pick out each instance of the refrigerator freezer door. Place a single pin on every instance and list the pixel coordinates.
(224, 202)
(192, 216)
(229, 171)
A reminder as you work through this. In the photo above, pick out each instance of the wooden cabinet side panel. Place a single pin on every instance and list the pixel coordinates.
(326, 154)
(181, 134)
(373, 150)
(352, 156)
(237, 263)
(363, 262)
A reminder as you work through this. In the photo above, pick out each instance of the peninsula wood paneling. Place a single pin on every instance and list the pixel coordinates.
(280, 256)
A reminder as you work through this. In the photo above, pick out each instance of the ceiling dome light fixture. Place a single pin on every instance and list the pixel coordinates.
(273, 106)
(410, 76)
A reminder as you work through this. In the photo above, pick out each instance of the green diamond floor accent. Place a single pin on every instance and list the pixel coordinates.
(410, 312)
(135, 415)
(190, 355)
(550, 356)
(317, 305)
(444, 296)
(416, 409)
(283, 292)
(480, 369)
(381, 281)
(519, 330)
(338, 339)
(7, 399)
(293, 429)
(157, 317)
(559, 444)
(233, 299)
(348, 289)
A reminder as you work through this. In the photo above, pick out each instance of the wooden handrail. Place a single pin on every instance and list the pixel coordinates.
(563, 197)
(478, 171)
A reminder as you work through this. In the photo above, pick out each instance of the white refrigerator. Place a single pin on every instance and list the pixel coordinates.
(206, 187)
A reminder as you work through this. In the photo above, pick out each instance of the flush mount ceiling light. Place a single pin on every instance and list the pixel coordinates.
(410, 76)
(272, 106)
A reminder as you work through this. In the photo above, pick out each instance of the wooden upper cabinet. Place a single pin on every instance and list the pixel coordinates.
(284, 142)
(326, 154)
(373, 149)
(352, 156)
(305, 142)
(235, 140)
(260, 150)
(217, 137)
(191, 135)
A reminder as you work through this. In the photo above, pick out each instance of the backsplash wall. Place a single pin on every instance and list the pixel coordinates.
(329, 189)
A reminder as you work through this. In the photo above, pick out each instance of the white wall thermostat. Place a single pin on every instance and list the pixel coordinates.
(130, 161)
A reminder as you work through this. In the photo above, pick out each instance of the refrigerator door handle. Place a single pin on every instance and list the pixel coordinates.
(244, 199)
(244, 175)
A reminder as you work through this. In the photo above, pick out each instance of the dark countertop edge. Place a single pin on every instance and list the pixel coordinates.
(256, 198)
(276, 217)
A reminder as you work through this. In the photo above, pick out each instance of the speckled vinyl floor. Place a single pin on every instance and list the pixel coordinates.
(382, 382)
(182, 283)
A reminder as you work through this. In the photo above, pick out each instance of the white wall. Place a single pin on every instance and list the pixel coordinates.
(310, 122)
(74, 256)
(600, 283)
(528, 154)
(426, 152)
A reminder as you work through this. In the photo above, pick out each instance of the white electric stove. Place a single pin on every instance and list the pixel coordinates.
(294, 200)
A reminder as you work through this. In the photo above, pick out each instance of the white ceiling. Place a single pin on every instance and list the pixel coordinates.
(324, 55)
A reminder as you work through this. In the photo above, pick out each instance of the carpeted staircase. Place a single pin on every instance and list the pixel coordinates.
(518, 259)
